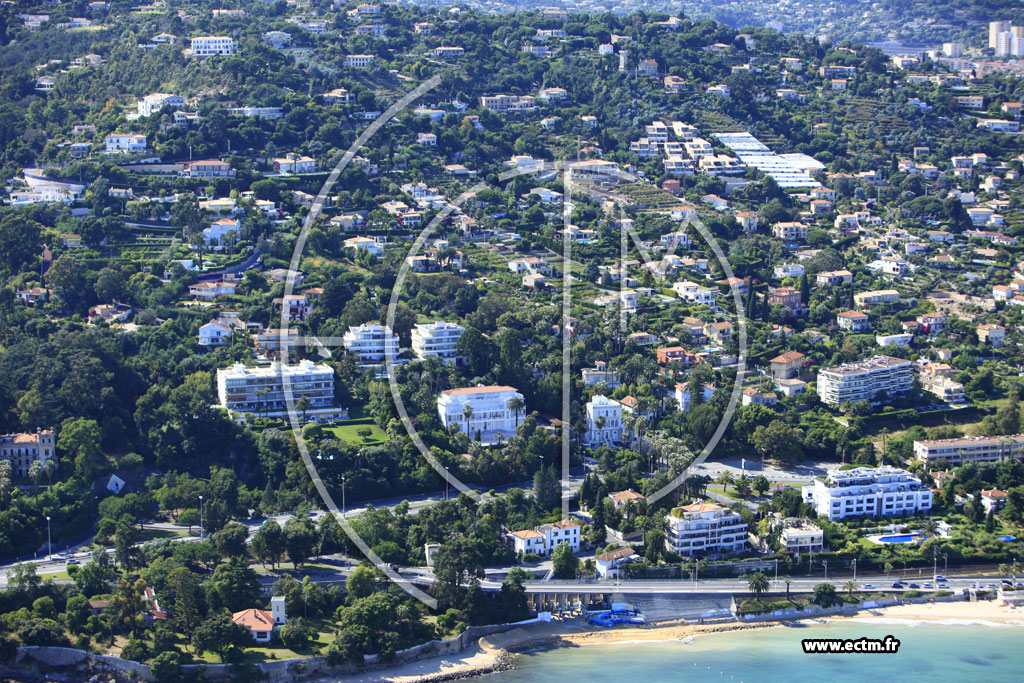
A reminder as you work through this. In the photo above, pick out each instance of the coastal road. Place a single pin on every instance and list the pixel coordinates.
(681, 587)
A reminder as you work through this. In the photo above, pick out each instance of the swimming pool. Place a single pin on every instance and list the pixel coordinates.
(1007, 539)
(899, 538)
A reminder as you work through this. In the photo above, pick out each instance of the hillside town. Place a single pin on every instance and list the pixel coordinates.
(314, 313)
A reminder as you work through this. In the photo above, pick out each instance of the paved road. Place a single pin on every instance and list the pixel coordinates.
(682, 587)
(77, 553)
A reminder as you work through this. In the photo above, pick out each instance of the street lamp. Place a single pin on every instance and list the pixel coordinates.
(201, 507)
(854, 569)
(49, 546)
(343, 497)
(446, 482)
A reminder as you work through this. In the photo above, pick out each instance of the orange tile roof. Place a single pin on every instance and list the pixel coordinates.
(254, 619)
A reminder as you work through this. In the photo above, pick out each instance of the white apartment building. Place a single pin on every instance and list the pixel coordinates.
(963, 450)
(705, 529)
(261, 390)
(604, 422)
(125, 142)
(359, 61)
(790, 230)
(207, 46)
(863, 380)
(488, 412)
(21, 450)
(544, 539)
(868, 492)
(151, 104)
(801, 536)
(439, 338)
(371, 344)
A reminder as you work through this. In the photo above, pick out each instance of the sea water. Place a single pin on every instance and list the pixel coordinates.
(928, 652)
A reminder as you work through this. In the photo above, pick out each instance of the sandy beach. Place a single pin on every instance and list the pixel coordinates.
(493, 652)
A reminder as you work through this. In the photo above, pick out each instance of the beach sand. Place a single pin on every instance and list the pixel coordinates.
(492, 652)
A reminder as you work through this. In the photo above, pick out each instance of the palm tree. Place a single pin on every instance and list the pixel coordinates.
(788, 582)
(930, 528)
(850, 586)
(303, 405)
(35, 472)
(50, 467)
(516, 404)
(758, 583)
(467, 412)
(725, 478)
(629, 423)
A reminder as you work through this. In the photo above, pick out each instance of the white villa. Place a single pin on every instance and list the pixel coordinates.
(604, 422)
(482, 410)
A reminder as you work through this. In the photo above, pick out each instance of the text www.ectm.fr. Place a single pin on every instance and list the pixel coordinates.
(887, 645)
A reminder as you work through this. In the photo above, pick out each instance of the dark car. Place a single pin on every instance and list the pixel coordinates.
(897, 584)
(912, 585)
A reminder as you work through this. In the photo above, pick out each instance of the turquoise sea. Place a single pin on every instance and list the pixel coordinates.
(928, 652)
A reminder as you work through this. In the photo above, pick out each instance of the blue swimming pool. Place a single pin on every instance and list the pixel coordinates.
(1007, 539)
(899, 538)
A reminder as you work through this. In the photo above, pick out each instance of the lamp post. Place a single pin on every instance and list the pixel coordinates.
(343, 497)
(855, 569)
(49, 545)
(945, 563)
(201, 508)
(446, 482)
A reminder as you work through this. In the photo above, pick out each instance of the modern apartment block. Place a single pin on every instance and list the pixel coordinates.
(868, 492)
(260, 390)
(801, 536)
(1007, 40)
(21, 450)
(705, 529)
(604, 422)
(439, 338)
(207, 46)
(965, 449)
(371, 344)
(482, 410)
(864, 380)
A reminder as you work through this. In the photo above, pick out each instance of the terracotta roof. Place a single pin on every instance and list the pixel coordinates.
(254, 619)
(528, 534)
(994, 493)
(627, 495)
(618, 554)
(851, 314)
(787, 357)
(476, 390)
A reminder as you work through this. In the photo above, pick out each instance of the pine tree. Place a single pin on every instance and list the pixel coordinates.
(598, 534)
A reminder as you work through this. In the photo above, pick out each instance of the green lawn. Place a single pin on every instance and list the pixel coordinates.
(349, 431)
